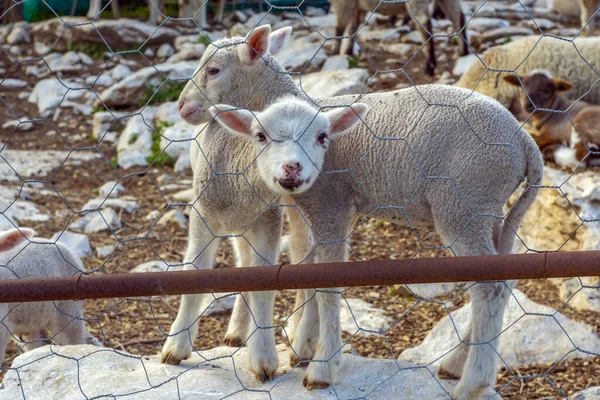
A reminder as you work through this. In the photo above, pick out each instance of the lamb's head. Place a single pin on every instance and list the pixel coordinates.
(290, 138)
(231, 71)
(540, 89)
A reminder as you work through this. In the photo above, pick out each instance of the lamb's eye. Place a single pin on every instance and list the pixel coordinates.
(321, 138)
(261, 137)
(212, 71)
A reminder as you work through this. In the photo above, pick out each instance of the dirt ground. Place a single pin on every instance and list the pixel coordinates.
(139, 326)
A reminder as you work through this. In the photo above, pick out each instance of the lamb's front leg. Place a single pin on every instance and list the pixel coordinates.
(200, 254)
(326, 363)
(264, 236)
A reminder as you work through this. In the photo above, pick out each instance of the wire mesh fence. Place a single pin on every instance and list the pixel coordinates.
(300, 132)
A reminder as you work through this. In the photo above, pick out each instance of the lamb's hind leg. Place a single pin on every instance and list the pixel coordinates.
(200, 254)
(476, 361)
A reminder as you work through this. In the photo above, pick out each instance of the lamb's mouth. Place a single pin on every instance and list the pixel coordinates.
(291, 184)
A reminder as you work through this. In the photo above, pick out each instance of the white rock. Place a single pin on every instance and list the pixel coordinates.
(155, 266)
(380, 34)
(240, 16)
(12, 83)
(126, 203)
(484, 24)
(103, 121)
(48, 93)
(183, 39)
(413, 37)
(120, 72)
(128, 91)
(172, 137)
(362, 316)
(52, 373)
(183, 162)
(111, 189)
(321, 21)
(463, 64)
(102, 80)
(24, 95)
(152, 215)
(104, 251)
(39, 164)
(18, 34)
(189, 51)
(16, 207)
(77, 242)
(87, 60)
(526, 340)
(108, 219)
(149, 52)
(40, 48)
(135, 142)
(23, 126)
(165, 50)
(592, 393)
(168, 113)
(334, 83)
(401, 49)
(299, 52)
(262, 18)
(581, 293)
(69, 61)
(175, 216)
(335, 63)
(541, 23)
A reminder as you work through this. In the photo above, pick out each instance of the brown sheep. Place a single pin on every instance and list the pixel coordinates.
(575, 123)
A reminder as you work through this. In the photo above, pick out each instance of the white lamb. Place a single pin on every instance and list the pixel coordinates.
(38, 323)
(451, 168)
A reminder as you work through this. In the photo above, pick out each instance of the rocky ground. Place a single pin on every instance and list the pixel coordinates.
(83, 128)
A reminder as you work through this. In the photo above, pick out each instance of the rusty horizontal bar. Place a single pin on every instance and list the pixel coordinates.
(346, 274)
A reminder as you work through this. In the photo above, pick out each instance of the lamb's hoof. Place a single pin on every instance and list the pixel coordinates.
(264, 373)
(310, 385)
(171, 359)
(482, 392)
(296, 362)
(443, 374)
(233, 341)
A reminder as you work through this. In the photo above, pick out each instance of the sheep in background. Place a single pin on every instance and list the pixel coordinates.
(561, 58)
(486, 157)
(22, 257)
(588, 14)
(541, 90)
(350, 14)
(187, 9)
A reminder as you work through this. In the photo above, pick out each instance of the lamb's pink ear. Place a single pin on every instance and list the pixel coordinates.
(344, 119)
(233, 119)
(14, 237)
(512, 80)
(258, 44)
(279, 39)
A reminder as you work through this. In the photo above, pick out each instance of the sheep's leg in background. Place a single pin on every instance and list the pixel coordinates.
(114, 5)
(588, 9)
(451, 8)
(221, 10)
(155, 6)
(200, 254)
(94, 10)
(420, 14)
(264, 236)
(35, 340)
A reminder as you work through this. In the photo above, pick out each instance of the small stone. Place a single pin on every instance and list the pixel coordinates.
(120, 72)
(104, 251)
(149, 52)
(165, 51)
(484, 24)
(126, 203)
(102, 80)
(336, 63)
(111, 189)
(18, 35)
(104, 219)
(12, 83)
(413, 37)
(77, 242)
(463, 64)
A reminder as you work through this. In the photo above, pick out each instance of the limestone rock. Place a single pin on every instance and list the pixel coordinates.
(57, 373)
(525, 340)
(77, 242)
(326, 84)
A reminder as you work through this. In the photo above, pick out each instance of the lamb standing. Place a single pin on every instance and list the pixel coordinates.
(450, 168)
(350, 13)
(541, 90)
(33, 322)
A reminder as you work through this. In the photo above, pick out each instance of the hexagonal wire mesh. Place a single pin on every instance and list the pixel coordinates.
(96, 157)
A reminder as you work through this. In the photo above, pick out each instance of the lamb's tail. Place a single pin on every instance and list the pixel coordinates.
(534, 172)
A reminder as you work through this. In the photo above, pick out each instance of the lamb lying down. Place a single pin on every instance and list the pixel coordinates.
(39, 323)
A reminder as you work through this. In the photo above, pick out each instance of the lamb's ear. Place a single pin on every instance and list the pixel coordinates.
(233, 119)
(14, 237)
(512, 80)
(279, 39)
(561, 85)
(258, 44)
(344, 119)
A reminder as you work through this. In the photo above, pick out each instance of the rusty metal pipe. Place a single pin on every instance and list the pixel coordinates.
(346, 274)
